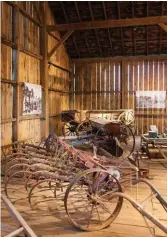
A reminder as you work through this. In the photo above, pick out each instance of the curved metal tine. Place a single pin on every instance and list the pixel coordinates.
(154, 190)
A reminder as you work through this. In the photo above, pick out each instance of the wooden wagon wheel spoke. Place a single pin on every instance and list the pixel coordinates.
(92, 183)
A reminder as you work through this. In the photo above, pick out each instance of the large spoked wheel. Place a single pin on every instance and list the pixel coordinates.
(69, 128)
(84, 128)
(87, 199)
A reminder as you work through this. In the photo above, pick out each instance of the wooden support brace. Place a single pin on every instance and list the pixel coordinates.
(64, 38)
(37, 11)
(163, 26)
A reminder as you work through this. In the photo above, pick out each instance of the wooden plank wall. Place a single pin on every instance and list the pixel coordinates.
(6, 74)
(146, 76)
(107, 85)
(29, 71)
(96, 86)
(58, 76)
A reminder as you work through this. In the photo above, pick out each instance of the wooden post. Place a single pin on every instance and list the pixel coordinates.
(15, 73)
(44, 64)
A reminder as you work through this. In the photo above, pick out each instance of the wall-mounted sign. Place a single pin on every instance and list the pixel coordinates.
(32, 99)
(151, 99)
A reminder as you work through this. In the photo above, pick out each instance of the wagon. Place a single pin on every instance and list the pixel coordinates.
(73, 118)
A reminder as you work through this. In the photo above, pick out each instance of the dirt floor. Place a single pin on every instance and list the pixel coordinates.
(47, 216)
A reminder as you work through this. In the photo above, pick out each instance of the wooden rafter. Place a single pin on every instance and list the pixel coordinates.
(105, 15)
(147, 14)
(37, 11)
(91, 13)
(79, 17)
(76, 47)
(108, 24)
(134, 33)
(66, 18)
(119, 17)
(160, 37)
(60, 42)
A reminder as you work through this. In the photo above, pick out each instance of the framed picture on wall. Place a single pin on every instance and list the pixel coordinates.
(32, 99)
(151, 99)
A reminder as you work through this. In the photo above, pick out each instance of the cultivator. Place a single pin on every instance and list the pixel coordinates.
(87, 179)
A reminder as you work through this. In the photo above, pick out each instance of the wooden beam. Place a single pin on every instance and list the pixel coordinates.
(63, 39)
(119, 59)
(108, 23)
(160, 36)
(163, 26)
(121, 31)
(44, 63)
(15, 72)
(67, 69)
(147, 14)
(79, 17)
(24, 13)
(66, 18)
(36, 7)
(76, 47)
(92, 17)
(17, 218)
(105, 15)
(134, 30)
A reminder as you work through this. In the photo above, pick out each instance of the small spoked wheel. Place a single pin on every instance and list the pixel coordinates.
(88, 200)
(127, 117)
(84, 128)
(69, 128)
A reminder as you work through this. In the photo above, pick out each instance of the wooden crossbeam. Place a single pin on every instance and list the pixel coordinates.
(163, 26)
(63, 39)
(119, 59)
(108, 24)
(37, 11)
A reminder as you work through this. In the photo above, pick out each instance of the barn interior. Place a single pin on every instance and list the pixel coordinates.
(84, 118)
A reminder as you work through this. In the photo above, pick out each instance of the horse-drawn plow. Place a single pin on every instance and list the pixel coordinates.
(92, 185)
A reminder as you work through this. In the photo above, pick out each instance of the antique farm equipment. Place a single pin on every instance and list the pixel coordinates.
(154, 147)
(112, 136)
(141, 207)
(57, 164)
(125, 116)
(70, 119)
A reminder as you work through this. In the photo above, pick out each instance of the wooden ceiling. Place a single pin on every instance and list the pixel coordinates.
(125, 37)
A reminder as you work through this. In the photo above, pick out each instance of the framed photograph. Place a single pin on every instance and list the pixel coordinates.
(151, 99)
(32, 99)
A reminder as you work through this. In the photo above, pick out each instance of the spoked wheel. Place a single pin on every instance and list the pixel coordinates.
(87, 200)
(69, 128)
(127, 117)
(126, 141)
(84, 128)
